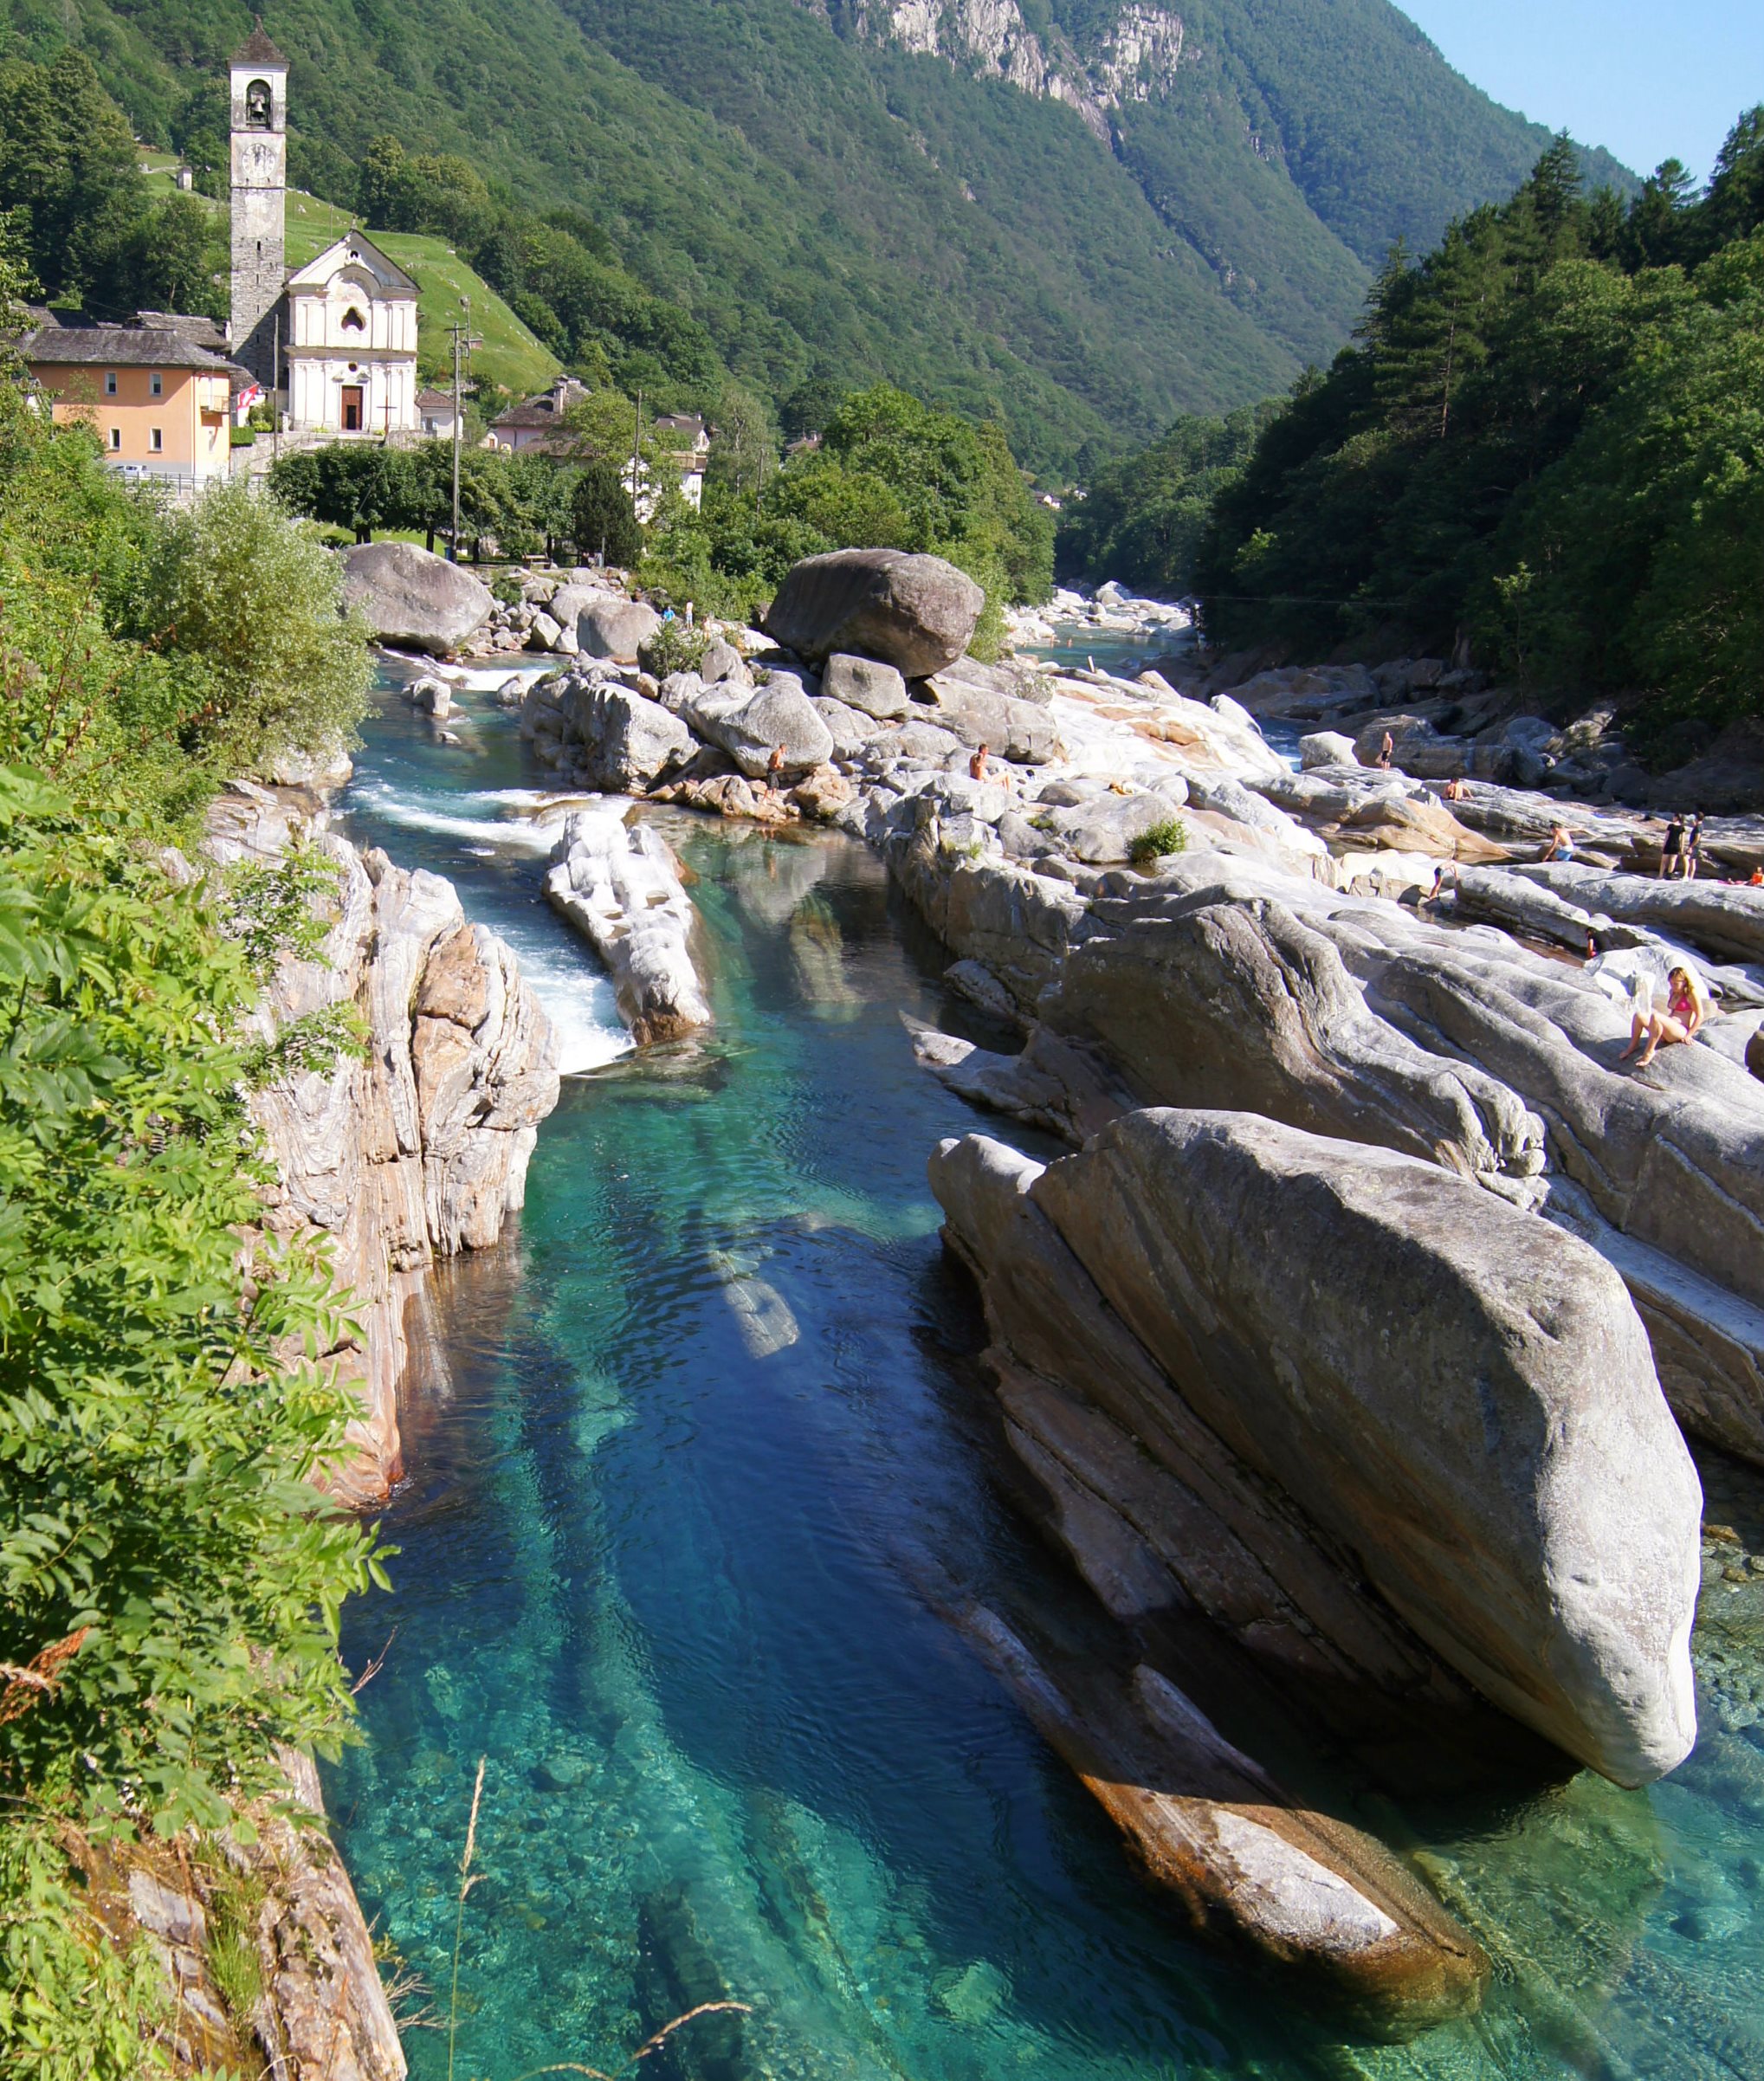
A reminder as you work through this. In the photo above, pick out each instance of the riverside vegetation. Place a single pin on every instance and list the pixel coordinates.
(169, 1584)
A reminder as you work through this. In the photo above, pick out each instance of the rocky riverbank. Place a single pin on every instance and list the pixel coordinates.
(407, 1147)
(416, 1149)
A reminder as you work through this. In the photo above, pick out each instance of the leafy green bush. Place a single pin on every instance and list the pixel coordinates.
(1159, 843)
(156, 1514)
(231, 582)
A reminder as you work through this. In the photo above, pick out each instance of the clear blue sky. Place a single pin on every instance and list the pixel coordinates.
(1647, 79)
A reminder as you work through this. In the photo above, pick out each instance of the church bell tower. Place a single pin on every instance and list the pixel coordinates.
(258, 75)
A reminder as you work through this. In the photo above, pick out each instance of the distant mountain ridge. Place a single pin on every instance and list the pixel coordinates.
(1084, 216)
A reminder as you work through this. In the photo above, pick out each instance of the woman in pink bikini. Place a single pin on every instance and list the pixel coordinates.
(1678, 1022)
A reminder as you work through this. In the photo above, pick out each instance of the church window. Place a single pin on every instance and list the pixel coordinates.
(156, 439)
(115, 438)
(110, 383)
(156, 384)
(353, 321)
(259, 106)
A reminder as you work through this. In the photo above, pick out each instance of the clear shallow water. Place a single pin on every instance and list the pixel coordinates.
(712, 1420)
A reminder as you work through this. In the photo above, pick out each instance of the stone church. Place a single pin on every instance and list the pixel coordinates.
(340, 332)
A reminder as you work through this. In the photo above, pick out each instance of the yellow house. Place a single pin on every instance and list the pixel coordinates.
(158, 402)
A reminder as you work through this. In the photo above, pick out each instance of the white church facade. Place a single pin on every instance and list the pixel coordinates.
(337, 339)
(351, 350)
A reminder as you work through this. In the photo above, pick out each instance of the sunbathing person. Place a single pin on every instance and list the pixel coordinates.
(1678, 1022)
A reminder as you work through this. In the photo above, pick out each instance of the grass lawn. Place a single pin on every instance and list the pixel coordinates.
(510, 354)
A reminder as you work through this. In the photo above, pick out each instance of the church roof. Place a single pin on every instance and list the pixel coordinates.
(357, 247)
(257, 49)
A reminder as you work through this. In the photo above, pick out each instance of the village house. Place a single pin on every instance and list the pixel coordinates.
(158, 402)
(688, 435)
(538, 423)
(436, 414)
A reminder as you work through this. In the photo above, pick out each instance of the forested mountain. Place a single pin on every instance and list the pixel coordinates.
(1085, 215)
(1545, 444)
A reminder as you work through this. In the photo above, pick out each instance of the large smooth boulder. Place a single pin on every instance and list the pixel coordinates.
(1326, 747)
(609, 625)
(1459, 1396)
(411, 598)
(917, 613)
(1210, 1000)
(1021, 731)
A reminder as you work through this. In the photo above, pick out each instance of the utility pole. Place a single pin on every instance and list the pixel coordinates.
(462, 345)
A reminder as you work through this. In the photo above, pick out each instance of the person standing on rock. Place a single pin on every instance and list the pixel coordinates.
(1386, 752)
(1672, 849)
(774, 770)
(1693, 847)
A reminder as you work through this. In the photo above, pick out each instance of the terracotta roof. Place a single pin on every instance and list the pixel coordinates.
(434, 401)
(115, 346)
(257, 49)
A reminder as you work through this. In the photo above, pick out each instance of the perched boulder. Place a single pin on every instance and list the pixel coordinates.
(1460, 1396)
(861, 683)
(413, 599)
(612, 626)
(917, 613)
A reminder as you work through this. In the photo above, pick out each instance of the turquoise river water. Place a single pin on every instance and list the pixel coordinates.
(711, 1414)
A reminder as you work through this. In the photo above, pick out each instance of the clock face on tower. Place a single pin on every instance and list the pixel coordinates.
(257, 162)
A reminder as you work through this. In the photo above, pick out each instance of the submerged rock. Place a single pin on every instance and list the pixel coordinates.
(1246, 1862)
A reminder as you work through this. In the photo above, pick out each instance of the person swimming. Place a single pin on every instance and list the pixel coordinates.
(1650, 1031)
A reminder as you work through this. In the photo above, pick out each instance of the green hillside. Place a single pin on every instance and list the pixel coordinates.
(825, 205)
